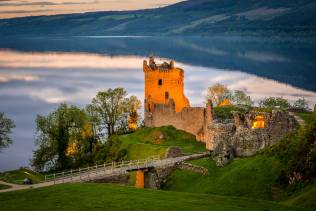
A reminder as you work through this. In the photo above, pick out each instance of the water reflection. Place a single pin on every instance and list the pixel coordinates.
(34, 83)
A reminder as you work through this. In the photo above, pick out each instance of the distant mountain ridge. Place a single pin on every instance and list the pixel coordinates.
(192, 17)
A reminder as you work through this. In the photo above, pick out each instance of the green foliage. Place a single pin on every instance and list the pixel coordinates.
(66, 127)
(114, 197)
(274, 103)
(111, 150)
(241, 98)
(226, 112)
(301, 104)
(249, 177)
(113, 111)
(298, 152)
(17, 176)
(5, 129)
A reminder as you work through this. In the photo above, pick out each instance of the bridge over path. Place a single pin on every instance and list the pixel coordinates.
(92, 173)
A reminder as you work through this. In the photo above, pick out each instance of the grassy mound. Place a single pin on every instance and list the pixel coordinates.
(147, 142)
(17, 176)
(113, 197)
(250, 177)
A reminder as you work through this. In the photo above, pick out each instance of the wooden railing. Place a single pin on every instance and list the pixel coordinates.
(113, 168)
(103, 168)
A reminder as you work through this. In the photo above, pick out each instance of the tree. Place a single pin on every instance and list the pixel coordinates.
(241, 98)
(218, 93)
(274, 102)
(301, 104)
(134, 104)
(62, 138)
(6, 125)
(110, 106)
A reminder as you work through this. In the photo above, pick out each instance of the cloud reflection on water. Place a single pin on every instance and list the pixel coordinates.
(35, 83)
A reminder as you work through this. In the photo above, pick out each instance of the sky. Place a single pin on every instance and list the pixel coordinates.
(21, 8)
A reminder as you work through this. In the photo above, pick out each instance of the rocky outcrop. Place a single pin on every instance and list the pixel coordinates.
(193, 168)
(248, 134)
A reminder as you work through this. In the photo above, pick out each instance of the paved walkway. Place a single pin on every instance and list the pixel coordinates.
(99, 173)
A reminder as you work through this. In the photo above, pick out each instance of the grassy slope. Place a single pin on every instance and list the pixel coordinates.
(17, 176)
(250, 177)
(305, 198)
(112, 197)
(145, 142)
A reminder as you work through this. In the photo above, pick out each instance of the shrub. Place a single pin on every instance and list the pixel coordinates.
(226, 112)
(274, 102)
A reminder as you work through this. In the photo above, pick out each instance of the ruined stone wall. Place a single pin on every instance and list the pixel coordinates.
(191, 120)
(239, 138)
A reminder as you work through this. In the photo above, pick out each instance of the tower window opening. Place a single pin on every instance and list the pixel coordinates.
(160, 82)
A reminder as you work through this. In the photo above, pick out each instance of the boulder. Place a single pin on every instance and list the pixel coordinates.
(173, 152)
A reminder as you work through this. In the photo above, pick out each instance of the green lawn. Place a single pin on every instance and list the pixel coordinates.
(249, 177)
(114, 197)
(2, 186)
(146, 142)
(17, 176)
(306, 116)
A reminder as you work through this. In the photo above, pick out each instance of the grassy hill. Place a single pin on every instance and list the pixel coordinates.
(112, 197)
(271, 175)
(249, 177)
(147, 142)
(193, 17)
(17, 176)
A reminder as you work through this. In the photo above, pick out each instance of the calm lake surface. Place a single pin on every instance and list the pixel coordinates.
(37, 74)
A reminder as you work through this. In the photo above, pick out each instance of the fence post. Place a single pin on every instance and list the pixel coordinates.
(71, 174)
(54, 178)
(45, 178)
(79, 174)
(63, 177)
(88, 173)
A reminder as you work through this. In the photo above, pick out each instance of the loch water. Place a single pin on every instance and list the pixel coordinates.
(37, 73)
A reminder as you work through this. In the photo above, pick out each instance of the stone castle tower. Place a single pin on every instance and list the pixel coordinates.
(164, 85)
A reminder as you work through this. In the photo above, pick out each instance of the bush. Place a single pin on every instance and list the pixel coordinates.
(226, 112)
(274, 103)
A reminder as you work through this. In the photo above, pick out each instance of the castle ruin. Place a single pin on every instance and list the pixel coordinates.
(165, 104)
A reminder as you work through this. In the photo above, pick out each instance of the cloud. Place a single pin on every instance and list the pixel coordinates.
(42, 3)
(22, 11)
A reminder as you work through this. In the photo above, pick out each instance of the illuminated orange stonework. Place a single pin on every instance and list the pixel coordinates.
(162, 83)
(259, 122)
(140, 179)
(225, 102)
